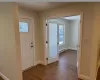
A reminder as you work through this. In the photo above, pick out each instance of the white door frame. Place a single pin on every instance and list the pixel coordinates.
(80, 40)
(33, 38)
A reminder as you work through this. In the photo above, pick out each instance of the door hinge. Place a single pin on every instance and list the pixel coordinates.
(46, 41)
(46, 24)
(46, 58)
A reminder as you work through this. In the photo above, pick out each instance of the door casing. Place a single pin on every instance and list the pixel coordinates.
(80, 38)
(33, 38)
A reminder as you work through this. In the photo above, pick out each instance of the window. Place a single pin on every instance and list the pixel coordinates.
(61, 34)
(23, 27)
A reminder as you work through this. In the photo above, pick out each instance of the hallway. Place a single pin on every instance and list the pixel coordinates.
(65, 69)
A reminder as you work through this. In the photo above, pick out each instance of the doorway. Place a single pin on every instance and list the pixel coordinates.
(64, 35)
(26, 30)
(52, 40)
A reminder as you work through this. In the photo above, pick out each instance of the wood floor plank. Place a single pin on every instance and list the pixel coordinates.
(64, 69)
(1, 78)
(98, 75)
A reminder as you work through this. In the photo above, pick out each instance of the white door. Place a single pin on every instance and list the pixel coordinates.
(26, 41)
(52, 31)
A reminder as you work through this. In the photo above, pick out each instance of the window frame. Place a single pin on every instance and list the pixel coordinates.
(64, 34)
(27, 27)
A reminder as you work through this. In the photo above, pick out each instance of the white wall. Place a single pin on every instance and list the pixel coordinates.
(10, 61)
(74, 34)
(71, 33)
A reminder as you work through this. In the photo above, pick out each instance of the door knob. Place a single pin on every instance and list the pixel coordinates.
(32, 46)
(58, 43)
(31, 42)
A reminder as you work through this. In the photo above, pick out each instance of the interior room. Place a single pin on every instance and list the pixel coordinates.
(62, 42)
(66, 36)
(48, 44)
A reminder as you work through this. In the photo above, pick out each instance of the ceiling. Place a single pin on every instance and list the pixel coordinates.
(40, 6)
(77, 17)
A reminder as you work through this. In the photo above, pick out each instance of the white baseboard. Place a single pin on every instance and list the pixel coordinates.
(62, 50)
(3, 76)
(72, 48)
(39, 62)
(83, 77)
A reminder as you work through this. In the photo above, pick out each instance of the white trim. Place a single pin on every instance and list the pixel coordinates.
(3, 76)
(72, 48)
(40, 62)
(64, 34)
(62, 50)
(33, 37)
(80, 38)
(34, 48)
(80, 43)
(98, 64)
(83, 77)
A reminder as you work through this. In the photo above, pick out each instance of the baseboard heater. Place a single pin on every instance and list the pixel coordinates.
(62, 50)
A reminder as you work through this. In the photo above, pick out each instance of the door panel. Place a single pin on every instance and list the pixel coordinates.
(26, 41)
(52, 42)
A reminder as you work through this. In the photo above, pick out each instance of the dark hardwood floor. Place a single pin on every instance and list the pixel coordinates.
(98, 75)
(1, 78)
(64, 69)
